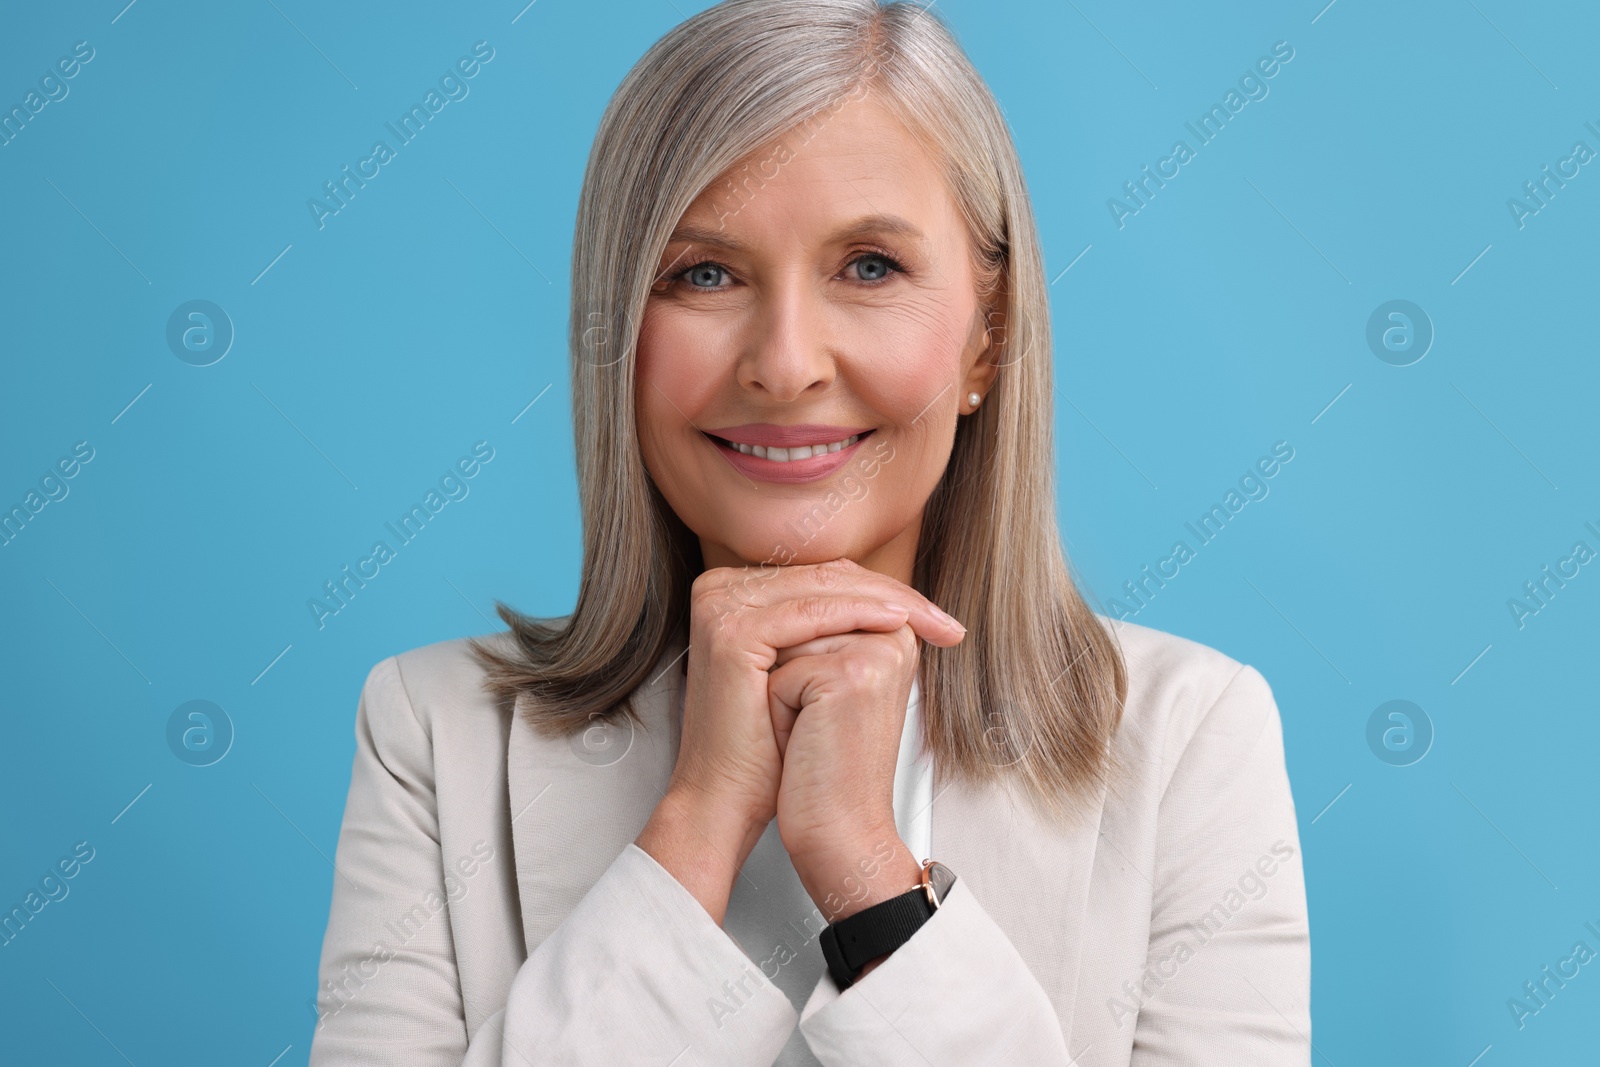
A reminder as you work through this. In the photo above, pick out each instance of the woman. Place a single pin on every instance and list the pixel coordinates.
(688, 822)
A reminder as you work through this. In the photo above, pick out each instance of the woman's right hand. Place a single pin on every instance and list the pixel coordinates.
(724, 788)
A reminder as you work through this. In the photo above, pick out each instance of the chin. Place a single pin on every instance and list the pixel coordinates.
(791, 542)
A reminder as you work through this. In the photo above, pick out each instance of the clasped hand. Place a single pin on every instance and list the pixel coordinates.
(794, 707)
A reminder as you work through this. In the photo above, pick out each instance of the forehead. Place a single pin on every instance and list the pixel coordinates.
(858, 163)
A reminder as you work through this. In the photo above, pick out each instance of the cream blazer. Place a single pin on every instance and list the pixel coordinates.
(490, 908)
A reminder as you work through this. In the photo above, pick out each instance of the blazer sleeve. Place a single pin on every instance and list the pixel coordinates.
(1228, 975)
(625, 978)
(1228, 972)
(957, 994)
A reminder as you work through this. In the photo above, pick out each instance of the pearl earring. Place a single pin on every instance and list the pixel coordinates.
(974, 399)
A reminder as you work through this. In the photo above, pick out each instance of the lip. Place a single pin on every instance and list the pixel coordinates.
(795, 471)
(770, 435)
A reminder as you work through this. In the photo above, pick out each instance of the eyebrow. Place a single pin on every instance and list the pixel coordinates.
(856, 229)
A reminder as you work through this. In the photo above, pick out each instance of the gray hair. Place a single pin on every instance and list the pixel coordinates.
(1035, 691)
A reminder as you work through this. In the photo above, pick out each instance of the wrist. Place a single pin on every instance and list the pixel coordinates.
(855, 945)
(852, 875)
(720, 820)
(700, 844)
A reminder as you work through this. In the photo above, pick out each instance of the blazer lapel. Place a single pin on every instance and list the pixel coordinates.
(575, 805)
(1032, 877)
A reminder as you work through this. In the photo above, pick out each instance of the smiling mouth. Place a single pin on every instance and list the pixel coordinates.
(789, 455)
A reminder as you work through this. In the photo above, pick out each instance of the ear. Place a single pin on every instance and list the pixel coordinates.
(990, 353)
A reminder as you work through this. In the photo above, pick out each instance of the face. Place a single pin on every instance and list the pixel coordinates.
(811, 340)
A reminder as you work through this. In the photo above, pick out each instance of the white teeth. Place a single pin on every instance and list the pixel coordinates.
(789, 455)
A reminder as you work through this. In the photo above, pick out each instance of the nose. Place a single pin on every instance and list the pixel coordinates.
(788, 350)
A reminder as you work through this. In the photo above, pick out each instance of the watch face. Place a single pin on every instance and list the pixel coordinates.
(940, 879)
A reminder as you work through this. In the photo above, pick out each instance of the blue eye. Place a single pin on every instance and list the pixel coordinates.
(709, 273)
(872, 268)
(875, 267)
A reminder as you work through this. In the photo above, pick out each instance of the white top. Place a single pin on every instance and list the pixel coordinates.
(772, 919)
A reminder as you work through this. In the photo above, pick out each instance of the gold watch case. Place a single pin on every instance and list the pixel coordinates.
(936, 882)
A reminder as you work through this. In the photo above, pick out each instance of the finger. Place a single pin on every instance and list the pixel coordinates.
(928, 621)
(783, 720)
(787, 688)
(799, 682)
(765, 587)
(816, 647)
(794, 622)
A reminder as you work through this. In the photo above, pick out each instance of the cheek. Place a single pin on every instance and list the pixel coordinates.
(674, 381)
(906, 364)
(680, 355)
(649, 405)
(913, 348)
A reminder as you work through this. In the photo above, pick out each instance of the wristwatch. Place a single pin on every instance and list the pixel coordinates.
(850, 944)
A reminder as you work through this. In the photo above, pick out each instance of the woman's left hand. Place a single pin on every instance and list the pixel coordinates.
(838, 708)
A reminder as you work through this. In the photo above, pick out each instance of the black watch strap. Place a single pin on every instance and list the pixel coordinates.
(850, 944)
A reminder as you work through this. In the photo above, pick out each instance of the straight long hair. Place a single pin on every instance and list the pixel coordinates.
(1034, 693)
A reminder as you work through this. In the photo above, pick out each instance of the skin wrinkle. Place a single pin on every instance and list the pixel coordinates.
(973, 259)
(792, 334)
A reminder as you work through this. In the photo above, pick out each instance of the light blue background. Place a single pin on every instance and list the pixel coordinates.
(1228, 314)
